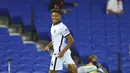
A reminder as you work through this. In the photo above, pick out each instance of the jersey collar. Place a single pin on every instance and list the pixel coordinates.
(57, 23)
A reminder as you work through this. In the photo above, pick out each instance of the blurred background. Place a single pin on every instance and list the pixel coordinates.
(25, 30)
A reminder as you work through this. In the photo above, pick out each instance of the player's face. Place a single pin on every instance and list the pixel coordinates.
(56, 17)
(94, 59)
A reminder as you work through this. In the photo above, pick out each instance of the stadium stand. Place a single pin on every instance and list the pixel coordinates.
(95, 33)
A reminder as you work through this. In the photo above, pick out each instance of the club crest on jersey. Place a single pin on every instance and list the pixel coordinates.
(66, 30)
(54, 31)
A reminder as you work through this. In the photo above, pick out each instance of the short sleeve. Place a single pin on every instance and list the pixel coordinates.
(65, 31)
(120, 5)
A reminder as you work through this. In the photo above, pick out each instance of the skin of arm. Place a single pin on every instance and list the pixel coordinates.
(50, 45)
(69, 44)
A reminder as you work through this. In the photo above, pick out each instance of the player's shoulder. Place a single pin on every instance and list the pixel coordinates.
(63, 25)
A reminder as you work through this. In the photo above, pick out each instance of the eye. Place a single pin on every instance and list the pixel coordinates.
(52, 15)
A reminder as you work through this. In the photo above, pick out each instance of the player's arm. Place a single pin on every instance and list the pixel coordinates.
(66, 33)
(48, 46)
(69, 43)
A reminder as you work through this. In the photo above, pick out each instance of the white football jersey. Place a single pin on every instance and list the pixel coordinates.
(58, 34)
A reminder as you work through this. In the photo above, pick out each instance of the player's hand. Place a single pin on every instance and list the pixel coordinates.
(60, 54)
(46, 48)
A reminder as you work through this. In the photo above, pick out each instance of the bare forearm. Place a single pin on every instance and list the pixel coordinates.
(69, 44)
(50, 45)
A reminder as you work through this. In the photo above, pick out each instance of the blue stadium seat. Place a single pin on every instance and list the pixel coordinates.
(115, 40)
(101, 57)
(98, 31)
(125, 47)
(4, 11)
(125, 39)
(44, 33)
(27, 68)
(98, 39)
(113, 60)
(112, 32)
(82, 51)
(83, 8)
(44, 58)
(5, 68)
(124, 32)
(3, 71)
(16, 20)
(125, 16)
(30, 45)
(3, 39)
(97, 24)
(99, 13)
(23, 72)
(112, 24)
(43, 24)
(83, 39)
(30, 50)
(2, 51)
(27, 54)
(94, 32)
(2, 47)
(17, 48)
(83, 24)
(26, 61)
(39, 72)
(12, 53)
(15, 62)
(124, 24)
(69, 16)
(4, 31)
(43, 53)
(114, 47)
(125, 68)
(71, 25)
(111, 17)
(81, 16)
(85, 33)
(43, 61)
(41, 67)
(15, 39)
(99, 47)
(84, 2)
(125, 61)
(125, 54)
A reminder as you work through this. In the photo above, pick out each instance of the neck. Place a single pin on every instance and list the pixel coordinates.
(90, 63)
(56, 23)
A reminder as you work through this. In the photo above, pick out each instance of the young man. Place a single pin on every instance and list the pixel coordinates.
(90, 67)
(62, 53)
(92, 62)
